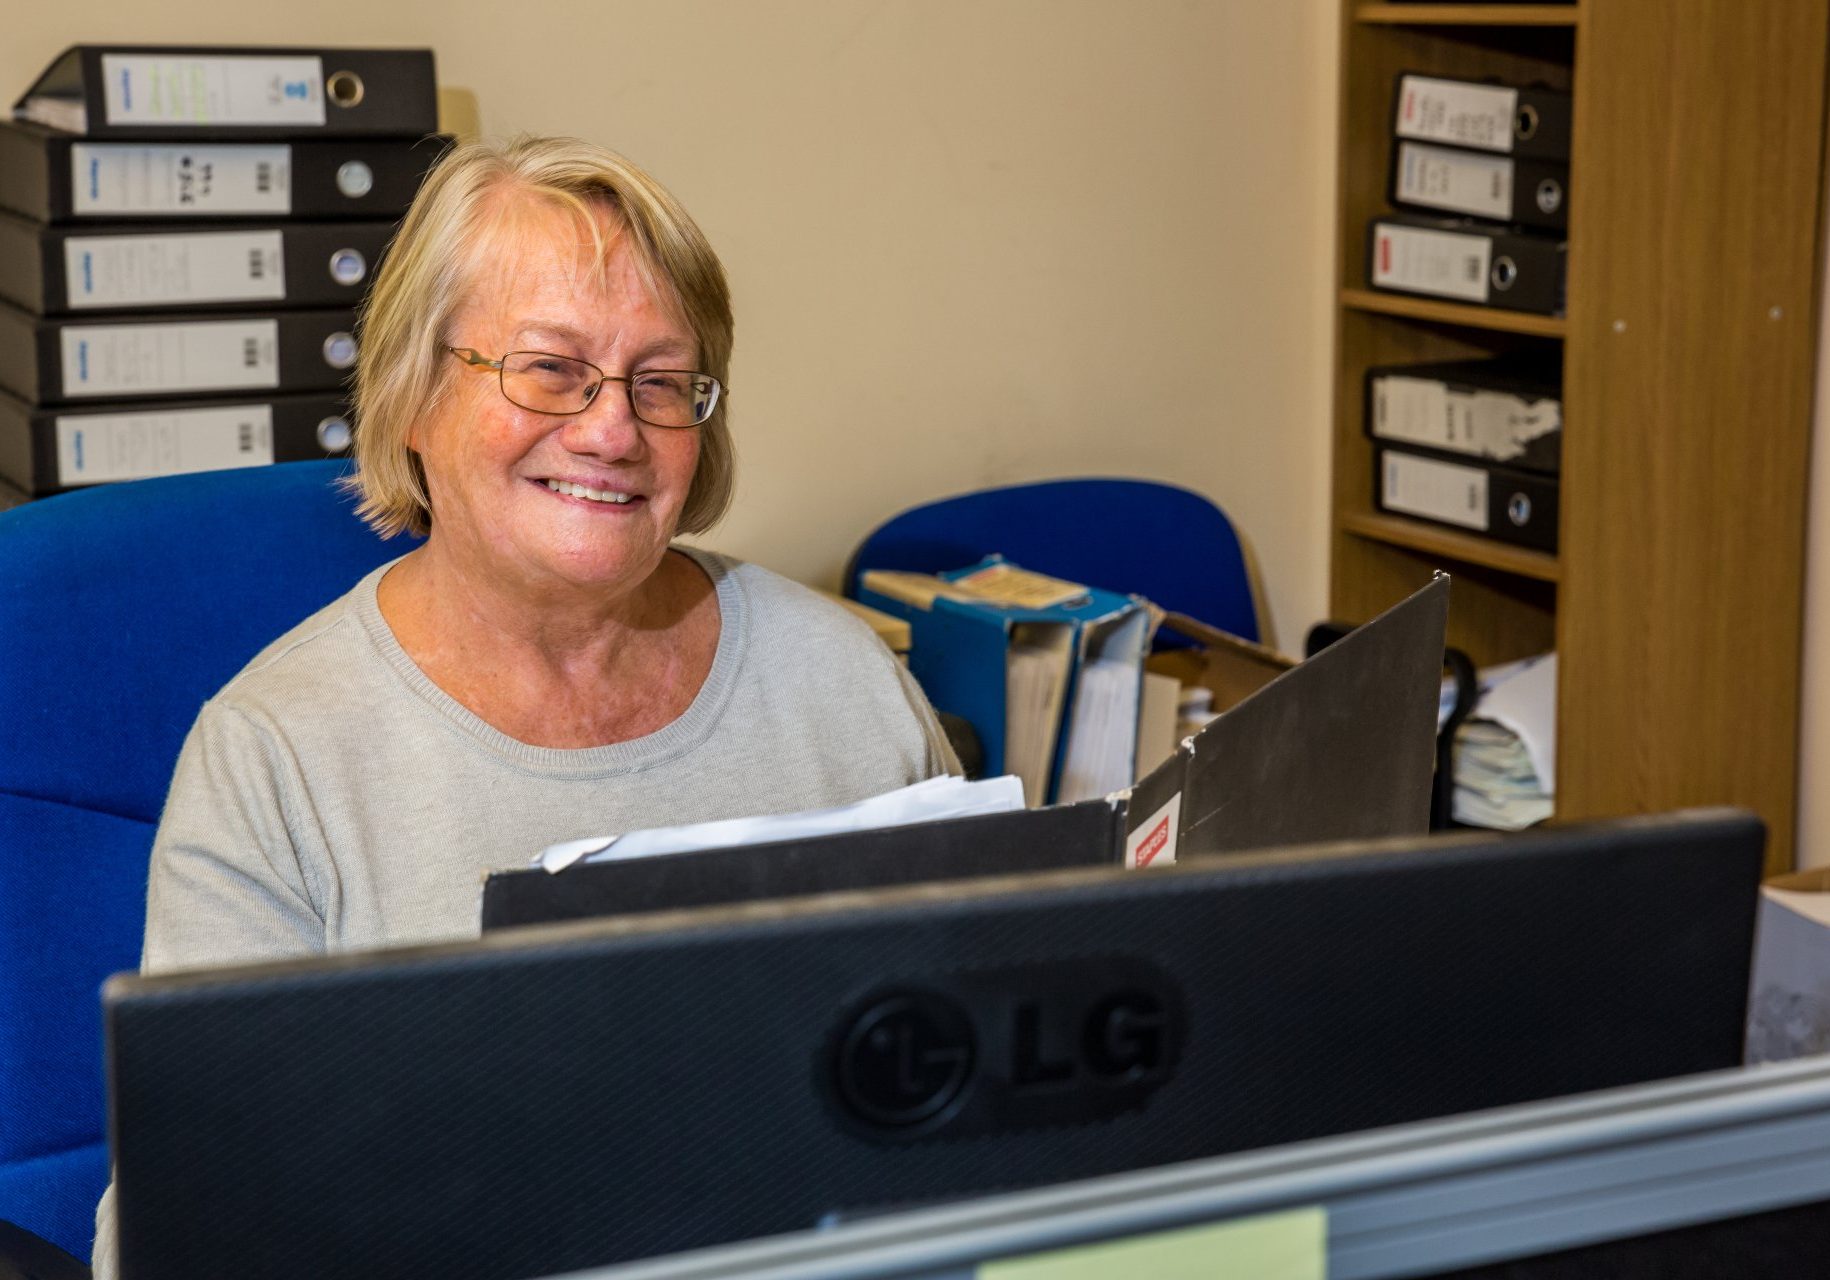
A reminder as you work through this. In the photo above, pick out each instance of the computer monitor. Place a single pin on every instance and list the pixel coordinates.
(552, 1098)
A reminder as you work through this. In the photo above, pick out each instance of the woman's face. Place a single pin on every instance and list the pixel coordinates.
(491, 465)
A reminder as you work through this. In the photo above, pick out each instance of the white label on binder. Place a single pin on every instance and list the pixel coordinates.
(1445, 263)
(151, 89)
(1428, 411)
(210, 355)
(1437, 490)
(100, 447)
(1153, 844)
(1456, 180)
(209, 178)
(1468, 115)
(136, 271)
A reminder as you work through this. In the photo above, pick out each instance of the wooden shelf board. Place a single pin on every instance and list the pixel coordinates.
(1396, 304)
(1468, 15)
(1436, 540)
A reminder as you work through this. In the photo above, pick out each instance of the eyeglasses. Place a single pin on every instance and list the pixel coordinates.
(561, 385)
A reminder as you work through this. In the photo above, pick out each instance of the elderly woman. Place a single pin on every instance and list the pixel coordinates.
(541, 394)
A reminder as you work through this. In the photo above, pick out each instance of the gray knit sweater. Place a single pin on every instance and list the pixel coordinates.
(332, 798)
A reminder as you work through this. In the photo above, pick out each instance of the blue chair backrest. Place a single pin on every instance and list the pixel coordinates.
(1170, 545)
(122, 609)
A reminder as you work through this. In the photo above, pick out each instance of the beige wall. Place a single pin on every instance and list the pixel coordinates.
(971, 242)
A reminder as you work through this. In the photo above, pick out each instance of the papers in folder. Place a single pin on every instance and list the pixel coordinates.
(929, 801)
(1506, 752)
(1102, 731)
(1035, 688)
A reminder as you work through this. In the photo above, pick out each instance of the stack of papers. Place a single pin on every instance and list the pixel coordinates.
(1036, 679)
(1506, 752)
(1102, 731)
(930, 801)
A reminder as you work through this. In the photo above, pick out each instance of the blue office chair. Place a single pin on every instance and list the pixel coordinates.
(122, 608)
(1170, 545)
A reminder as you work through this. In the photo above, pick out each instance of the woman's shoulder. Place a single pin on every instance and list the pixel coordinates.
(779, 610)
(314, 663)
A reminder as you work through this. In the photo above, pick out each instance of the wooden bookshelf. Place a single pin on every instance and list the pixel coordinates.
(1455, 313)
(1469, 15)
(1450, 545)
(1675, 600)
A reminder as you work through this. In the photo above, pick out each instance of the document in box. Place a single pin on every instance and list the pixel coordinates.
(929, 801)
(1505, 754)
(1102, 730)
(1036, 680)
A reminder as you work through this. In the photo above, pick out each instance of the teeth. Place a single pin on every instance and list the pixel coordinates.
(579, 491)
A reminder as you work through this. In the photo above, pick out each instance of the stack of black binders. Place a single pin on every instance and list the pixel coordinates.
(1488, 167)
(1474, 444)
(185, 234)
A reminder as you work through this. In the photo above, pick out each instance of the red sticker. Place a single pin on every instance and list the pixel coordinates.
(1153, 843)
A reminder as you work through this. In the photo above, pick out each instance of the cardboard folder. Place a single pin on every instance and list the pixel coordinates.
(83, 359)
(1469, 262)
(1479, 184)
(54, 177)
(1498, 502)
(47, 450)
(1503, 411)
(1518, 120)
(54, 270)
(222, 91)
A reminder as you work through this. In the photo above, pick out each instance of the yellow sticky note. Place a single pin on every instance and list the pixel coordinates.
(1273, 1246)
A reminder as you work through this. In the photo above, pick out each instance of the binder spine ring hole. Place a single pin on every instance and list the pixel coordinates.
(1505, 273)
(348, 266)
(344, 88)
(1527, 122)
(355, 179)
(340, 350)
(334, 434)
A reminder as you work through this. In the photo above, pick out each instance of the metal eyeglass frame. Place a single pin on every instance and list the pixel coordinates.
(471, 356)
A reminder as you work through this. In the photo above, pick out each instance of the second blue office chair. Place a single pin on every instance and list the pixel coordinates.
(1167, 544)
(122, 608)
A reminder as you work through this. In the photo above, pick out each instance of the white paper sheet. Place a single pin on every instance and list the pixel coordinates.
(930, 801)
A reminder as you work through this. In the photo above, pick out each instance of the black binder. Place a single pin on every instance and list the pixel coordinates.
(87, 360)
(44, 451)
(1504, 411)
(53, 177)
(136, 267)
(224, 91)
(1476, 184)
(1530, 122)
(1466, 262)
(1502, 503)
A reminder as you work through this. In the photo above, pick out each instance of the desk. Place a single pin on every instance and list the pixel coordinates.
(1743, 1149)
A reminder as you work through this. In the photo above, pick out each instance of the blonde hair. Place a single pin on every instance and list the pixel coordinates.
(403, 329)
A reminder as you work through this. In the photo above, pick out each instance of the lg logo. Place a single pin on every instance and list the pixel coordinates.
(1009, 1049)
(905, 1059)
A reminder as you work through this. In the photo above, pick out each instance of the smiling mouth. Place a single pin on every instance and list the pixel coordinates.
(607, 496)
